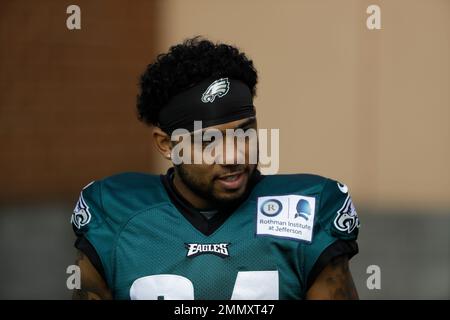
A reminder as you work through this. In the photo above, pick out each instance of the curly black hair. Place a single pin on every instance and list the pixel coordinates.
(184, 66)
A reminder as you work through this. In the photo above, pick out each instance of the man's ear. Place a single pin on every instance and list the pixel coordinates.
(162, 142)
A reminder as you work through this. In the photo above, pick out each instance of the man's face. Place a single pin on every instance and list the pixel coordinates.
(222, 184)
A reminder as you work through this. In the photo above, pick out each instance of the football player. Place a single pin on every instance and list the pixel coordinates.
(211, 230)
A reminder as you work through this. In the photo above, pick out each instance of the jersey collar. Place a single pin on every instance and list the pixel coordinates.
(194, 215)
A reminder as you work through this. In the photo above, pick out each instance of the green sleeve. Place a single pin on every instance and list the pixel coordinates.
(89, 221)
(336, 228)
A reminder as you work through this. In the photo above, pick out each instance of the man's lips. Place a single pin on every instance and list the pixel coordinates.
(232, 180)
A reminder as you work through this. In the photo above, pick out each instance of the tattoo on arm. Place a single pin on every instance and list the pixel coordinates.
(92, 285)
(339, 281)
(82, 294)
(335, 282)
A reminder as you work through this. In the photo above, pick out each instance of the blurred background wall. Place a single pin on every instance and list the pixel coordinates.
(370, 108)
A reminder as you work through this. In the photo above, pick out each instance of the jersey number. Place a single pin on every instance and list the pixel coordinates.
(249, 285)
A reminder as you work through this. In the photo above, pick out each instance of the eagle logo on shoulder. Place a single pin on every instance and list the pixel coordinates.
(347, 218)
(81, 215)
(218, 88)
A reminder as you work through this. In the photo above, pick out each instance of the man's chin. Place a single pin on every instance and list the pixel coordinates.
(226, 196)
(229, 198)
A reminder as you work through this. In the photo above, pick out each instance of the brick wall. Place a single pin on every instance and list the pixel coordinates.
(67, 98)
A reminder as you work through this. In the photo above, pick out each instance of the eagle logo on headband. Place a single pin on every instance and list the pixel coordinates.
(218, 88)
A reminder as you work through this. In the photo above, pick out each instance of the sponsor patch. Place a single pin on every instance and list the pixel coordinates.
(290, 217)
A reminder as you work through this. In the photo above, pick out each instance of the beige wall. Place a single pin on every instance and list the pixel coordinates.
(370, 108)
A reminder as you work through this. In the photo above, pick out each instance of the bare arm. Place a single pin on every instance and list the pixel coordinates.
(335, 282)
(93, 287)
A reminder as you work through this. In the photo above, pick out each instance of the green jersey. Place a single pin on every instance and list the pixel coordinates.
(272, 246)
